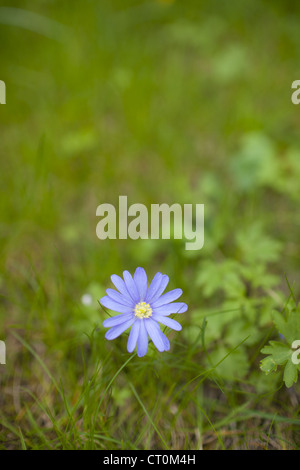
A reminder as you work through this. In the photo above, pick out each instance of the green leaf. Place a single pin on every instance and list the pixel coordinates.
(224, 276)
(279, 352)
(290, 374)
(289, 327)
(268, 365)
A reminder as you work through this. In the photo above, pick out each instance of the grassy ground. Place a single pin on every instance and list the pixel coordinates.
(162, 101)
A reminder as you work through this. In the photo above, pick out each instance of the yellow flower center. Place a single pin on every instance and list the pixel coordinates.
(143, 310)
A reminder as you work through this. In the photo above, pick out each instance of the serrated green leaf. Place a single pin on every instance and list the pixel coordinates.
(289, 327)
(279, 352)
(268, 365)
(290, 374)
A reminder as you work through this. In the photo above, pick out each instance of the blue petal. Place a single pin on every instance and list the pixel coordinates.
(120, 285)
(121, 299)
(117, 320)
(165, 339)
(142, 342)
(118, 330)
(166, 342)
(175, 307)
(161, 287)
(155, 283)
(140, 279)
(133, 336)
(112, 305)
(131, 287)
(167, 298)
(155, 335)
(173, 324)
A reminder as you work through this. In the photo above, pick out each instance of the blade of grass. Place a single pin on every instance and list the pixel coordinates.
(148, 416)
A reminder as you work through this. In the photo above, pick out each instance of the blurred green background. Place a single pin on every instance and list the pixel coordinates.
(162, 101)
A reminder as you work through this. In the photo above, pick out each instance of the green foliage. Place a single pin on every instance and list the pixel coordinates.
(279, 353)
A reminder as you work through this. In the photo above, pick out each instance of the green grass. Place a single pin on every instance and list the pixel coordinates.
(175, 102)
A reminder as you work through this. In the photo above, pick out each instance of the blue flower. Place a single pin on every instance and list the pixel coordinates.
(142, 308)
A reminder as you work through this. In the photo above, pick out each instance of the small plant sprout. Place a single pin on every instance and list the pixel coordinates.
(142, 309)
